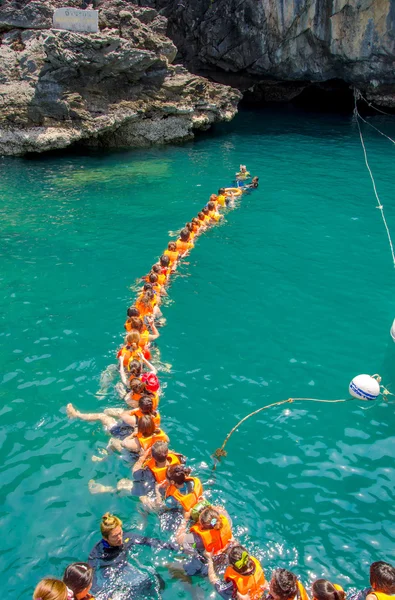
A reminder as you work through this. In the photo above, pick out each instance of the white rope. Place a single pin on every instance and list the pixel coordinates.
(378, 130)
(380, 206)
(374, 107)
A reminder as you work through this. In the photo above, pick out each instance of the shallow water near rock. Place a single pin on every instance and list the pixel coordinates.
(291, 296)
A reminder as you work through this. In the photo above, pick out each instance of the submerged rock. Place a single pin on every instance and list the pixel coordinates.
(113, 88)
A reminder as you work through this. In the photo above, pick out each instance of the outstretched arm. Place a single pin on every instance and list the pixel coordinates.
(131, 539)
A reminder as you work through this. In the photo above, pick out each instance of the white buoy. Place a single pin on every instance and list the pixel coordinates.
(364, 387)
(392, 330)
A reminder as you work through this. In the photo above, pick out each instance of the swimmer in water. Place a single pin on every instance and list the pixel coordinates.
(50, 589)
(213, 213)
(243, 577)
(183, 491)
(173, 255)
(110, 560)
(79, 577)
(284, 585)
(254, 184)
(382, 582)
(243, 174)
(325, 590)
(144, 437)
(221, 197)
(184, 244)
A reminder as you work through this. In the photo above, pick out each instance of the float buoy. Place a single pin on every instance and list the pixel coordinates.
(364, 387)
(392, 330)
(236, 191)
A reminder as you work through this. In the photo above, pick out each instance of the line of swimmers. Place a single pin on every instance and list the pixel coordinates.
(160, 477)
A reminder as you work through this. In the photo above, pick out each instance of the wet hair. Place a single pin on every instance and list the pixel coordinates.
(135, 368)
(133, 312)
(153, 278)
(221, 192)
(184, 234)
(108, 523)
(160, 451)
(133, 338)
(213, 198)
(189, 226)
(136, 385)
(156, 268)
(201, 216)
(147, 286)
(136, 323)
(255, 179)
(284, 584)
(236, 554)
(207, 516)
(146, 425)
(50, 589)
(78, 577)
(146, 405)
(148, 296)
(205, 210)
(325, 590)
(164, 260)
(178, 474)
(195, 221)
(382, 577)
(211, 205)
(172, 246)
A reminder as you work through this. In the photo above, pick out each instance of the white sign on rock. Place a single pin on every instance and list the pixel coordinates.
(75, 19)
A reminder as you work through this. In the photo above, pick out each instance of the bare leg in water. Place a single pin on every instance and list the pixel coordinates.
(107, 422)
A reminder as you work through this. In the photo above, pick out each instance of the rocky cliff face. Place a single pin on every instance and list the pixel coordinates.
(113, 88)
(288, 41)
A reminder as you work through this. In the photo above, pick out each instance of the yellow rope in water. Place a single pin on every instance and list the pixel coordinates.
(220, 452)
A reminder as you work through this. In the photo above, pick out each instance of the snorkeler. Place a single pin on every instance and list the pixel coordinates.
(243, 576)
(109, 559)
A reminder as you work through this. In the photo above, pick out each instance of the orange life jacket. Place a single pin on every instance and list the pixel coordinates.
(162, 278)
(252, 584)
(128, 326)
(214, 215)
(183, 246)
(214, 540)
(187, 501)
(172, 254)
(160, 472)
(302, 594)
(148, 442)
(144, 338)
(381, 595)
(138, 413)
(145, 309)
(128, 355)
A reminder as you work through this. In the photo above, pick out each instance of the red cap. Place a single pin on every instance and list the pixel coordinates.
(151, 381)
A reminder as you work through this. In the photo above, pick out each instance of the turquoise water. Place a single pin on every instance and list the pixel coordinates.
(291, 296)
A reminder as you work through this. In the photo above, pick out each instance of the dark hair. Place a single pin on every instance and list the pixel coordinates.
(153, 277)
(148, 295)
(184, 234)
(136, 323)
(159, 451)
(284, 584)
(78, 577)
(213, 198)
(147, 286)
(325, 590)
(146, 425)
(236, 554)
(211, 206)
(134, 368)
(172, 246)
(133, 312)
(382, 577)
(156, 268)
(221, 191)
(201, 215)
(178, 474)
(164, 260)
(146, 405)
(189, 226)
(136, 384)
(207, 516)
(205, 210)
(195, 221)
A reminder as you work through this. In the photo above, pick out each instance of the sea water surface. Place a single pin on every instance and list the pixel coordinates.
(292, 295)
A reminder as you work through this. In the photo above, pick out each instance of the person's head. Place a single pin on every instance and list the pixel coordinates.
(148, 296)
(156, 268)
(195, 221)
(382, 577)
(153, 278)
(147, 286)
(243, 168)
(136, 386)
(205, 210)
(189, 226)
(240, 560)
(146, 405)
(213, 198)
(184, 234)
(133, 312)
(221, 192)
(209, 518)
(160, 451)
(133, 339)
(135, 368)
(255, 179)
(201, 216)
(283, 585)
(136, 323)
(164, 260)
(177, 474)
(211, 205)
(111, 529)
(50, 589)
(325, 590)
(172, 247)
(78, 577)
(146, 426)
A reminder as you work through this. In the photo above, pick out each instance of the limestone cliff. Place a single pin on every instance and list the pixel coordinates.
(113, 88)
(288, 41)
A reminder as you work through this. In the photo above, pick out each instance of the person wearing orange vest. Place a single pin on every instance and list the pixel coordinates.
(382, 582)
(244, 576)
(151, 469)
(284, 585)
(184, 491)
(172, 253)
(325, 590)
(184, 244)
(204, 221)
(145, 437)
(131, 350)
(213, 213)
